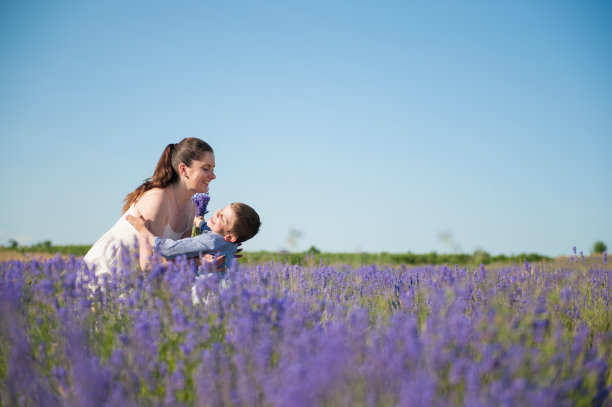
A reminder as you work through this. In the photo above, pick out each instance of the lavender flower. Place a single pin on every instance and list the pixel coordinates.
(573, 257)
(201, 203)
(277, 334)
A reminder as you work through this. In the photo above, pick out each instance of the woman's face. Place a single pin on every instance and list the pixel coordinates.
(201, 172)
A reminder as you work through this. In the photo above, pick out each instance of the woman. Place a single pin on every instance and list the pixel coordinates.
(164, 200)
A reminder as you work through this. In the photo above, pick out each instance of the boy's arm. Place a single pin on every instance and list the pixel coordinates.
(191, 246)
(145, 239)
(211, 249)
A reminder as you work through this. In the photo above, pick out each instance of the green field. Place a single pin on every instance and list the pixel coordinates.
(47, 249)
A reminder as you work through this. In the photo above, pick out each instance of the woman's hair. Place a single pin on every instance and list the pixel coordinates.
(247, 222)
(166, 171)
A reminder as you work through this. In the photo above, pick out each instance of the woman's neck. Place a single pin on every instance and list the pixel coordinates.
(181, 195)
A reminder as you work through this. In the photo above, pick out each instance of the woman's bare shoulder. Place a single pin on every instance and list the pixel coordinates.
(153, 203)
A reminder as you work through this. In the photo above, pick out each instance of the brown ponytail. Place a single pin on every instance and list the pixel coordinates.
(166, 170)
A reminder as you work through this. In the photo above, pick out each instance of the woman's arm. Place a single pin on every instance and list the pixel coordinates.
(153, 207)
(145, 239)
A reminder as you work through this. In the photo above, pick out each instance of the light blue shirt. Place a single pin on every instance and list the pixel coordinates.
(207, 242)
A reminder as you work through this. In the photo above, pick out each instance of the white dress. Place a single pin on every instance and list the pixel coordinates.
(119, 242)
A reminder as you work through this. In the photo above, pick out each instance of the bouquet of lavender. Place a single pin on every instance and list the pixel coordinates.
(201, 203)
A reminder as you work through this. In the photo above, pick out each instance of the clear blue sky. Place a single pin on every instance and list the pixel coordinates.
(365, 125)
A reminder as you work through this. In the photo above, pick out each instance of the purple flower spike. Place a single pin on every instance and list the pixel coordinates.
(201, 202)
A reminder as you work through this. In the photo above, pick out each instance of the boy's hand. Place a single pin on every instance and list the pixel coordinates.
(139, 223)
(197, 221)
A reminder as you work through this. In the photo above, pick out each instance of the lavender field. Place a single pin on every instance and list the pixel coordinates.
(308, 335)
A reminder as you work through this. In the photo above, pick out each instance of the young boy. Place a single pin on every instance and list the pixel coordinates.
(220, 235)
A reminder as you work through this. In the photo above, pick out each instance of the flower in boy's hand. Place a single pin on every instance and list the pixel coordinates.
(201, 203)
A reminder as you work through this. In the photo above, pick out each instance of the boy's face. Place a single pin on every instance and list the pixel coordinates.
(222, 222)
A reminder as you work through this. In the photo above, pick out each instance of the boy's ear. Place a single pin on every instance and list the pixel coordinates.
(230, 238)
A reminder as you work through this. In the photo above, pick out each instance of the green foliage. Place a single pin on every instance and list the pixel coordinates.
(599, 247)
(409, 258)
(48, 247)
(313, 250)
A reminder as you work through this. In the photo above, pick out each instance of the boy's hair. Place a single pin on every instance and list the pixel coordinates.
(247, 222)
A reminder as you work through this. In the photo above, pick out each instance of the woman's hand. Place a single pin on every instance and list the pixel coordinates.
(236, 255)
(215, 264)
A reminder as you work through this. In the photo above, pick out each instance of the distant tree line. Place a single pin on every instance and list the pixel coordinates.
(599, 247)
(47, 247)
(409, 258)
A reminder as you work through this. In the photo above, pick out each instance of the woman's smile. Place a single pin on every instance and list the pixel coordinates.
(202, 172)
